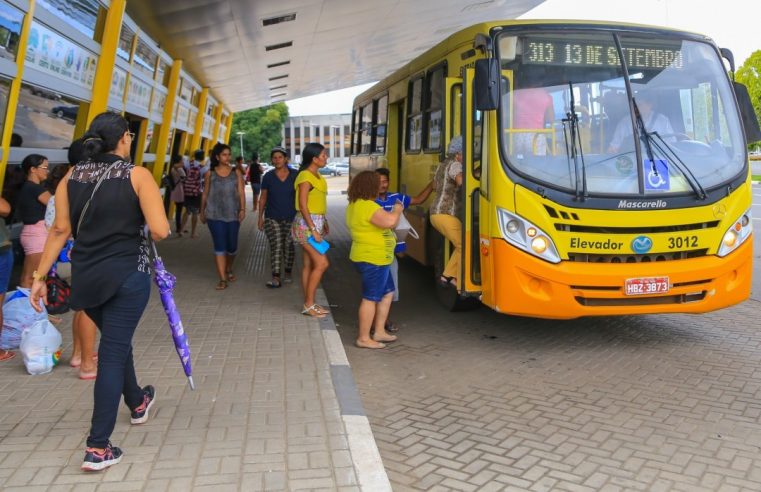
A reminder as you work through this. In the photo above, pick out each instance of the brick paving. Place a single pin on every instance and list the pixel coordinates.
(482, 401)
(266, 414)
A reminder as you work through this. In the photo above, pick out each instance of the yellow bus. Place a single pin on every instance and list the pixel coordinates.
(605, 166)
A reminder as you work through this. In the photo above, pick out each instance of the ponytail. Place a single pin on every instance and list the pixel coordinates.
(104, 134)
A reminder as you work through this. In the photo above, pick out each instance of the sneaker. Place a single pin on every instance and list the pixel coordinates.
(140, 414)
(288, 278)
(95, 461)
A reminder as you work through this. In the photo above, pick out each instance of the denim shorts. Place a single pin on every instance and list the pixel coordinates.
(6, 266)
(376, 280)
(224, 235)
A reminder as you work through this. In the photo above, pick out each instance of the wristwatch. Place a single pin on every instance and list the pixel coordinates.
(38, 276)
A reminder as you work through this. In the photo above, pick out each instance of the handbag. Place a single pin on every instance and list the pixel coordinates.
(403, 229)
(59, 292)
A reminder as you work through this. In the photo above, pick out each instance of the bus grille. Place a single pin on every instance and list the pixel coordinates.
(636, 230)
(642, 301)
(647, 258)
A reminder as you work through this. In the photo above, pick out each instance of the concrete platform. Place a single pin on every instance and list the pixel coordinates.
(275, 408)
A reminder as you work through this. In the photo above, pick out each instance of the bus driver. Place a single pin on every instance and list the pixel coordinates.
(653, 121)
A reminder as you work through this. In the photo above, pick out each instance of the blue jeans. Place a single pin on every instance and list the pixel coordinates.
(224, 235)
(117, 319)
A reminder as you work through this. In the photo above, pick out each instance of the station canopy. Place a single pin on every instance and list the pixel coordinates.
(252, 53)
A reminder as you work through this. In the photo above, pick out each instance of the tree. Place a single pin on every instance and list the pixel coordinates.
(263, 129)
(749, 74)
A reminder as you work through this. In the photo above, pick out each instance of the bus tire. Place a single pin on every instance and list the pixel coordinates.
(445, 293)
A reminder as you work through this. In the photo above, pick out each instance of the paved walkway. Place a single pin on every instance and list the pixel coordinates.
(275, 407)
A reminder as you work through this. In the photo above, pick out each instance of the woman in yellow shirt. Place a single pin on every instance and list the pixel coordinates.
(311, 206)
(372, 251)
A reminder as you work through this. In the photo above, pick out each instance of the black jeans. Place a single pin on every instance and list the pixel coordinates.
(117, 319)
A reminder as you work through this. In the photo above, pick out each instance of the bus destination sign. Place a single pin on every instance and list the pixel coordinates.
(584, 53)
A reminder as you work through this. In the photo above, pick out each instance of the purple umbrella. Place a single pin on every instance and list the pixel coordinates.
(166, 282)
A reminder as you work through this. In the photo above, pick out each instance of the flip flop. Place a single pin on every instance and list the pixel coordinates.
(222, 285)
(231, 277)
(88, 376)
(7, 355)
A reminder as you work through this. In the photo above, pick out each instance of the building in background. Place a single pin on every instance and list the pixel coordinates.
(331, 130)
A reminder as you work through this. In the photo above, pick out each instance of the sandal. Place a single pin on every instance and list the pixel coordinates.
(6, 355)
(274, 283)
(231, 277)
(321, 309)
(313, 311)
(222, 285)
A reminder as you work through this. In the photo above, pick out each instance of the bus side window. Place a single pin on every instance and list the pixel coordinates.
(414, 136)
(478, 133)
(455, 112)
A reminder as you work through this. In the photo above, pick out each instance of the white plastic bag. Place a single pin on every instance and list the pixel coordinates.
(18, 314)
(403, 229)
(41, 347)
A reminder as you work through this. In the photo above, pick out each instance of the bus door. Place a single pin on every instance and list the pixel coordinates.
(472, 136)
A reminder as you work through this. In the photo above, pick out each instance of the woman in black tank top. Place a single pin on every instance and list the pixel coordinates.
(110, 268)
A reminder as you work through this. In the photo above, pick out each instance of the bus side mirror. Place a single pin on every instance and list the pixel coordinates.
(486, 82)
(748, 115)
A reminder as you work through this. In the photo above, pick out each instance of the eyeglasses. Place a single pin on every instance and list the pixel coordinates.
(131, 135)
(44, 168)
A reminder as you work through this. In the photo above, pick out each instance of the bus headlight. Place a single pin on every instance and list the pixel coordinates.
(526, 236)
(737, 233)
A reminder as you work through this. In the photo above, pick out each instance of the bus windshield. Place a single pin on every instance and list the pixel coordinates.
(680, 113)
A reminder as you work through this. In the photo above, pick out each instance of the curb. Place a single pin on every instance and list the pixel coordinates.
(364, 451)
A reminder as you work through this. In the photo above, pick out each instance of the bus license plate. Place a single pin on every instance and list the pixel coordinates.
(646, 286)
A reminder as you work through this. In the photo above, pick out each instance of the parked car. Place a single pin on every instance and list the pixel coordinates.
(328, 170)
(68, 112)
(39, 91)
(342, 168)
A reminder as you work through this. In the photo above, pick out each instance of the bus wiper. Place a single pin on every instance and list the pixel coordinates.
(649, 141)
(683, 168)
(575, 151)
(643, 135)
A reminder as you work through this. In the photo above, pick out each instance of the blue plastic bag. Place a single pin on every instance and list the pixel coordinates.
(18, 314)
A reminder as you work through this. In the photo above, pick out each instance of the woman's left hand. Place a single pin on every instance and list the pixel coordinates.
(38, 292)
(241, 214)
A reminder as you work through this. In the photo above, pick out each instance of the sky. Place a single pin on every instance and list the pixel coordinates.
(732, 24)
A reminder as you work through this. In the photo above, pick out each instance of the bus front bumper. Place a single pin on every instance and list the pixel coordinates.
(527, 286)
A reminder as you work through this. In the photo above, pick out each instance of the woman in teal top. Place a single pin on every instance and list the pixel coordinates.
(372, 251)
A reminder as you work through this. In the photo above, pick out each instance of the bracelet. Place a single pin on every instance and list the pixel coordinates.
(37, 276)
